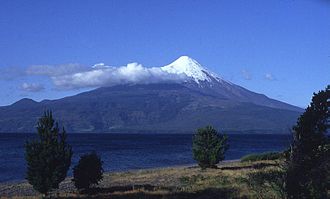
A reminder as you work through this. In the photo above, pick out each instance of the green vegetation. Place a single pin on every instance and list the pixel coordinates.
(308, 166)
(88, 171)
(229, 180)
(267, 184)
(209, 147)
(48, 158)
(301, 172)
(305, 172)
(263, 156)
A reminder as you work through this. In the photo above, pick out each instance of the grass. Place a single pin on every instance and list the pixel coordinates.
(229, 180)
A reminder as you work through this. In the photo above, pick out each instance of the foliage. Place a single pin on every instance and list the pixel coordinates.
(262, 156)
(209, 147)
(48, 158)
(88, 171)
(175, 182)
(267, 182)
(307, 168)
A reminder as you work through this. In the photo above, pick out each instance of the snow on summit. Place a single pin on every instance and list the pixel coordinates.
(184, 69)
(191, 68)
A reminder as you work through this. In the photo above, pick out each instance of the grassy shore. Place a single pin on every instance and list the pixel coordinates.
(229, 180)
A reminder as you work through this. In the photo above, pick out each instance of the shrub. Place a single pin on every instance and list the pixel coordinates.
(88, 171)
(262, 156)
(48, 158)
(209, 147)
(267, 184)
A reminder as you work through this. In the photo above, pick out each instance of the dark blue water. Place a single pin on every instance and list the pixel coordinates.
(132, 151)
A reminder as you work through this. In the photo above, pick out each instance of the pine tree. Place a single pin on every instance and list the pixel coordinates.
(209, 147)
(307, 168)
(49, 157)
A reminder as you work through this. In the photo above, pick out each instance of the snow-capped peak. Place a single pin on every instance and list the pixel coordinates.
(191, 68)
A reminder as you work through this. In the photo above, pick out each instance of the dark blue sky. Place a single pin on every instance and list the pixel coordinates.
(280, 48)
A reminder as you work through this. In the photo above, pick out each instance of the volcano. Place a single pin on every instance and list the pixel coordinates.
(200, 98)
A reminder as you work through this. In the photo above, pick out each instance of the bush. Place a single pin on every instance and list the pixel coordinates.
(262, 156)
(267, 184)
(209, 147)
(88, 171)
(49, 158)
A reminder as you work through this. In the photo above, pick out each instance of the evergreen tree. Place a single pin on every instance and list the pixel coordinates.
(307, 167)
(209, 147)
(49, 157)
(88, 171)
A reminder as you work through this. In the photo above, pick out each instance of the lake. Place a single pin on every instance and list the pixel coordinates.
(121, 152)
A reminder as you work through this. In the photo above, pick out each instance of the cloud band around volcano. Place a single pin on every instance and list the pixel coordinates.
(74, 77)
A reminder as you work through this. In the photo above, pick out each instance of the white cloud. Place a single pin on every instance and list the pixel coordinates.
(100, 66)
(270, 77)
(31, 87)
(101, 75)
(246, 74)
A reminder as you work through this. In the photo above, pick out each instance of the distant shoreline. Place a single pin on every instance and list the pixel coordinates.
(163, 180)
(130, 170)
(24, 183)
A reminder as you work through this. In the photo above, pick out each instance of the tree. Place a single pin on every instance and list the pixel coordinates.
(49, 157)
(88, 171)
(209, 147)
(307, 167)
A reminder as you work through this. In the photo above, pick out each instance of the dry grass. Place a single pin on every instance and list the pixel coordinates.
(228, 181)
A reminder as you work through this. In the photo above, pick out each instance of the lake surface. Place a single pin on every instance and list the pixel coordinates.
(121, 152)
